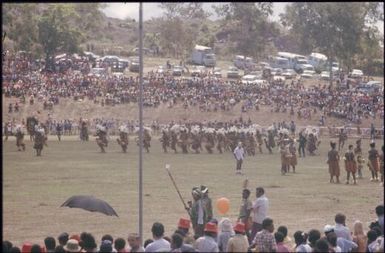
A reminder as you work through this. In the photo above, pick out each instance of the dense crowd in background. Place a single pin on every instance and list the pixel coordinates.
(24, 79)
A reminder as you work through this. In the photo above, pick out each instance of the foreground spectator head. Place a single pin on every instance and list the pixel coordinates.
(157, 230)
(239, 228)
(15, 250)
(268, 225)
(120, 244)
(26, 247)
(184, 224)
(88, 242)
(321, 245)
(340, 218)
(72, 245)
(50, 244)
(380, 210)
(211, 229)
(75, 237)
(134, 240)
(106, 246)
(36, 249)
(358, 228)
(279, 237)
(328, 229)
(372, 236)
(59, 249)
(7, 245)
(63, 238)
(314, 235)
(283, 230)
(332, 239)
(176, 241)
(259, 191)
(108, 237)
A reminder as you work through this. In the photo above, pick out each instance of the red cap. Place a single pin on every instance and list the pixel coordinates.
(26, 247)
(239, 227)
(75, 237)
(184, 223)
(211, 227)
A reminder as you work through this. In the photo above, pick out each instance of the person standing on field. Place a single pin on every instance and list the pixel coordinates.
(239, 153)
(333, 161)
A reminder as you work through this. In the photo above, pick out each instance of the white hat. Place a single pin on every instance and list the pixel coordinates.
(328, 228)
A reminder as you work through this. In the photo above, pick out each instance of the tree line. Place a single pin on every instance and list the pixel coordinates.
(344, 31)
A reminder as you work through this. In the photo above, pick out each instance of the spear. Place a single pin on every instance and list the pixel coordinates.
(176, 188)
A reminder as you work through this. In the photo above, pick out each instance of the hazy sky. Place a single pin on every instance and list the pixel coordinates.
(124, 10)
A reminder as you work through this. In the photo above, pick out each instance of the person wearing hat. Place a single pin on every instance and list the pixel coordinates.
(72, 245)
(343, 244)
(333, 161)
(207, 203)
(239, 242)
(225, 233)
(239, 153)
(207, 242)
(183, 227)
(373, 161)
(197, 212)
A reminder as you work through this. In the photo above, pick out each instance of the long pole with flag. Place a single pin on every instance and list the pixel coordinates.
(141, 122)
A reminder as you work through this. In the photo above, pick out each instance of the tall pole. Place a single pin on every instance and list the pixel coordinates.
(141, 122)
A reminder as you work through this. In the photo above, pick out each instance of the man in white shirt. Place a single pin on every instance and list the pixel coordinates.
(340, 229)
(259, 212)
(159, 244)
(239, 156)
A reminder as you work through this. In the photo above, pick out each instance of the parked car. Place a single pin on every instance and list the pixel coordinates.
(307, 74)
(134, 66)
(289, 73)
(252, 80)
(356, 73)
(218, 72)
(370, 87)
(233, 72)
(325, 75)
(177, 70)
(276, 71)
(197, 71)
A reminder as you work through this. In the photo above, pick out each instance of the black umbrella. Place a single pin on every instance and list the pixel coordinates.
(90, 203)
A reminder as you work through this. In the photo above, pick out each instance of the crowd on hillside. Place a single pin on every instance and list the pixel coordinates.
(210, 235)
(23, 78)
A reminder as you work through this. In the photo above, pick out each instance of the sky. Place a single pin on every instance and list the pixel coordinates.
(124, 10)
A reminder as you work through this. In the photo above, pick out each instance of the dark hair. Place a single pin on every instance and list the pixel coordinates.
(181, 232)
(59, 249)
(88, 241)
(340, 218)
(50, 243)
(7, 245)
(299, 237)
(108, 237)
(333, 145)
(14, 250)
(260, 190)
(378, 230)
(120, 243)
(63, 238)
(372, 236)
(321, 245)
(332, 239)
(106, 246)
(246, 191)
(177, 240)
(211, 234)
(157, 229)
(35, 248)
(283, 230)
(278, 237)
(267, 222)
(147, 242)
(314, 235)
(380, 210)
(350, 146)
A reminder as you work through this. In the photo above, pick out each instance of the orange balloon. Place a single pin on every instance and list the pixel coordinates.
(223, 206)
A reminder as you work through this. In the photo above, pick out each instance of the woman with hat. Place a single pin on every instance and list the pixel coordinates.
(207, 242)
(333, 161)
(239, 242)
(72, 246)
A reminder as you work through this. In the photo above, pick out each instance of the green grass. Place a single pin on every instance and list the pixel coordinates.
(35, 187)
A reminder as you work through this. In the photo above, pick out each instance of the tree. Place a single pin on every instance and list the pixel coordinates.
(250, 29)
(332, 28)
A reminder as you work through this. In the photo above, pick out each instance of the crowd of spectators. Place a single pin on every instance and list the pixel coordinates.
(224, 237)
(23, 78)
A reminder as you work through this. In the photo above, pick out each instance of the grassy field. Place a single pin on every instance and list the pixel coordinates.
(35, 187)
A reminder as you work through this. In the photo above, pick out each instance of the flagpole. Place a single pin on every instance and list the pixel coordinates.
(141, 122)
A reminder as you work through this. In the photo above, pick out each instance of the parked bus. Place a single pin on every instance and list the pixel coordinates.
(319, 61)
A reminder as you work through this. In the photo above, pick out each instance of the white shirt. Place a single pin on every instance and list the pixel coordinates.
(342, 231)
(239, 152)
(206, 244)
(159, 244)
(260, 208)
